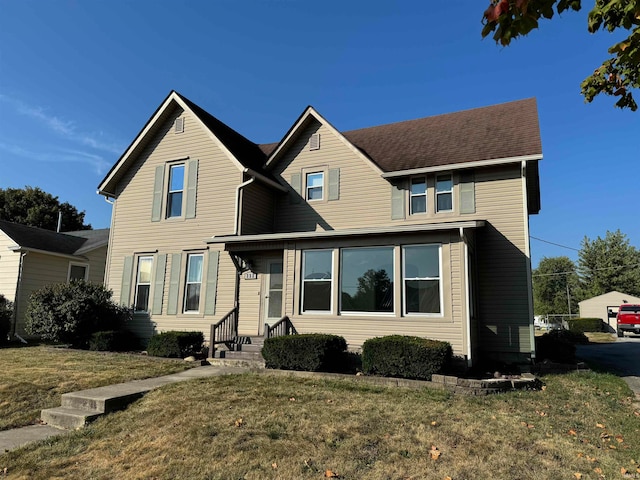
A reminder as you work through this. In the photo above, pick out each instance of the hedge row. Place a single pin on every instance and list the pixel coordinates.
(582, 325)
(313, 352)
(405, 356)
(175, 344)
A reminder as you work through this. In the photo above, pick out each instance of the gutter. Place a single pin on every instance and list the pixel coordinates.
(467, 295)
(236, 224)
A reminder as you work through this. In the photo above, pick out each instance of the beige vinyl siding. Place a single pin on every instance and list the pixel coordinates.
(9, 267)
(258, 209)
(133, 231)
(97, 261)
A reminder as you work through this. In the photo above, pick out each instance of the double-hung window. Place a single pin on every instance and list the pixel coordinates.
(317, 280)
(315, 186)
(143, 283)
(193, 282)
(176, 190)
(366, 277)
(444, 193)
(421, 279)
(418, 194)
(77, 271)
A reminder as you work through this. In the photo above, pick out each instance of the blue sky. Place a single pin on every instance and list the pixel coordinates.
(78, 80)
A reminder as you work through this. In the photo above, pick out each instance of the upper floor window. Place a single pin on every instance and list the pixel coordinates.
(418, 194)
(193, 283)
(315, 186)
(175, 191)
(143, 284)
(444, 193)
(317, 278)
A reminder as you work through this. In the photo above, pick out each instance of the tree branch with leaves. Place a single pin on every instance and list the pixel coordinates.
(617, 76)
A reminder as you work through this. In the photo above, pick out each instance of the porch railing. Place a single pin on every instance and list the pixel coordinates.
(226, 330)
(280, 328)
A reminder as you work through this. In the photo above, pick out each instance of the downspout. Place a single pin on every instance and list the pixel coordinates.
(467, 291)
(236, 227)
(17, 296)
(107, 266)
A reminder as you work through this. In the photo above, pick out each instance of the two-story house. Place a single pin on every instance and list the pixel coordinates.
(419, 227)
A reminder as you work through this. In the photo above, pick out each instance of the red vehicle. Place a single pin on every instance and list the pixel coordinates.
(628, 319)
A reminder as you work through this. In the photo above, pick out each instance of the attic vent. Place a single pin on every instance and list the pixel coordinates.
(314, 142)
(179, 125)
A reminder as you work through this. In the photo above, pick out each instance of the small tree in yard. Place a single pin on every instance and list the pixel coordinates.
(72, 312)
(6, 313)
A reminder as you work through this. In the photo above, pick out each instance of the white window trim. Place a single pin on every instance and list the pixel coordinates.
(439, 278)
(425, 195)
(78, 264)
(170, 167)
(135, 292)
(450, 192)
(392, 313)
(306, 186)
(187, 283)
(332, 280)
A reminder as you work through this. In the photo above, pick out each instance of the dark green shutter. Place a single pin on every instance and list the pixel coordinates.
(158, 284)
(467, 193)
(334, 184)
(296, 184)
(192, 185)
(158, 187)
(212, 283)
(125, 288)
(398, 201)
(174, 284)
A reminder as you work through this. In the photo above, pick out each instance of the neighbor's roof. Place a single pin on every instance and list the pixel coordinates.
(68, 243)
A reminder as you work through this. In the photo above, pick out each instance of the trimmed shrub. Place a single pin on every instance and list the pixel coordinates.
(581, 325)
(311, 352)
(72, 312)
(113, 341)
(555, 348)
(6, 314)
(577, 338)
(405, 356)
(176, 344)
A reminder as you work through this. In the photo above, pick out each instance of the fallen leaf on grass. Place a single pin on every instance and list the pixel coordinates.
(572, 432)
(274, 465)
(330, 474)
(597, 470)
(239, 422)
(619, 438)
(599, 425)
(578, 475)
(448, 478)
(434, 453)
(433, 424)
(542, 414)
(591, 459)
(292, 399)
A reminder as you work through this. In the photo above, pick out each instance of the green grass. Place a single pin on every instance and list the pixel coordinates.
(34, 378)
(255, 427)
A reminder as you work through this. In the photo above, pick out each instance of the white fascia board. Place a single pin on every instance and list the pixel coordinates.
(265, 237)
(45, 252)
(458, 166)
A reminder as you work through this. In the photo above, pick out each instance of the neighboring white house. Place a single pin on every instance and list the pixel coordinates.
(606, 307)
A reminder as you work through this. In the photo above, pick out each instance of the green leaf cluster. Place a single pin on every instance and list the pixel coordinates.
(6, 315)
(510, 19)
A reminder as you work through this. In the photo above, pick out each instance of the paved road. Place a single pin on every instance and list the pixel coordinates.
(621, 358)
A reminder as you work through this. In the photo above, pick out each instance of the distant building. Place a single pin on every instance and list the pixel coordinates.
(605, 307)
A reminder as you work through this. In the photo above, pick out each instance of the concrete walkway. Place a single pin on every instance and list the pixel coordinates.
(17, 437)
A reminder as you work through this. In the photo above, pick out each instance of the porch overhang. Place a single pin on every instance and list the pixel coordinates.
(275, 239)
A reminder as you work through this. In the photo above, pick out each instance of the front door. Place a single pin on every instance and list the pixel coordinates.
(272, 302)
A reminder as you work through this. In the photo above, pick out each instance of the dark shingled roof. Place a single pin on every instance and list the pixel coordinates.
(247, 152)
(499, 131)
(68, 243)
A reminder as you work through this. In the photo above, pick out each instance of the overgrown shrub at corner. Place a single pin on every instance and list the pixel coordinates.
(581, 325)
(311, 352)
(113, 341)
(175, 344)
(577, 338)
(72, 312)
(555, 348)
(6, 314)
(405, 356)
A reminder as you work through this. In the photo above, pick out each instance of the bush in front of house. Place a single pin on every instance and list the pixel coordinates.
(581, 325)
(577, 338)
(113, 341)
(405, 356)
(71, 312)
(311, 352)
(555, 348)
(6, 314)
(176, 344)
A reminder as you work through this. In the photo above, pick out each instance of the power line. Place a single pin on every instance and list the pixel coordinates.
(552, 243)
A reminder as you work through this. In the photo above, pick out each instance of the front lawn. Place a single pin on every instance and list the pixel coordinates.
(582, 425)
(34, 378)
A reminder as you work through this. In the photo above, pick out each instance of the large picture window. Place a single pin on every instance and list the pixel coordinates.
(367, 280)
(176, 190)
(193, 283)
(421, 278)
(317, 279)
(143, 283)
